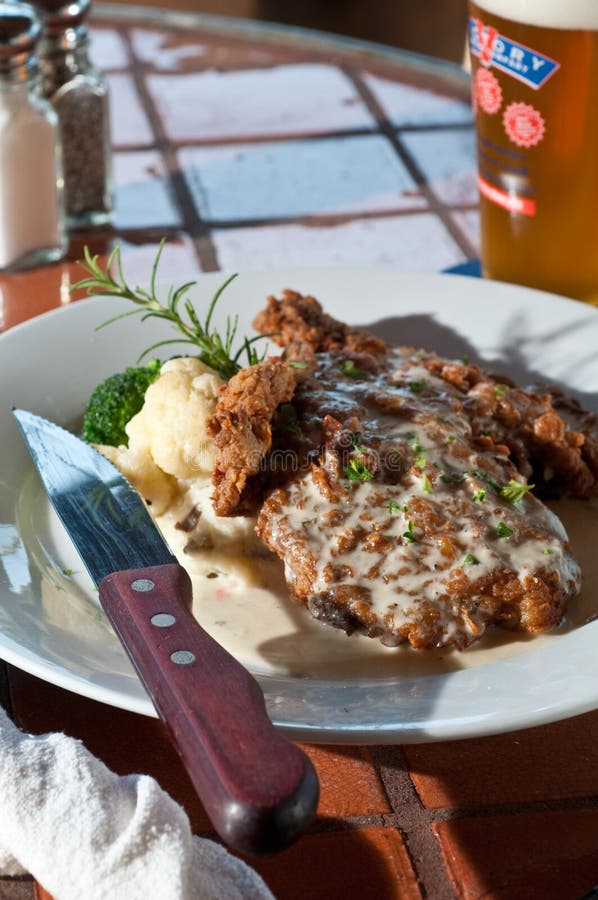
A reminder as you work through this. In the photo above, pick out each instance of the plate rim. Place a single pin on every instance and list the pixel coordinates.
(314, 731)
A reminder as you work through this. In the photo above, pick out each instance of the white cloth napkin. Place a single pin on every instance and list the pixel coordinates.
(83, 831)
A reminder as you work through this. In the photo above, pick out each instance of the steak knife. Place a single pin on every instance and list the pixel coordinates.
(259, 790)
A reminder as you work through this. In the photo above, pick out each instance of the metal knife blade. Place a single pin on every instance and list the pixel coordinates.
(106, 519)
(259, 789)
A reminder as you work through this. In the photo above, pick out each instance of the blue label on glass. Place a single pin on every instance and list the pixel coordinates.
(494, 49)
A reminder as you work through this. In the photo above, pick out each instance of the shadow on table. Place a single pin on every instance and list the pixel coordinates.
(515, 349)
(339, 863)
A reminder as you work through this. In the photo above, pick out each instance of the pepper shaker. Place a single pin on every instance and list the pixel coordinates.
(79, 95)
(32, 228)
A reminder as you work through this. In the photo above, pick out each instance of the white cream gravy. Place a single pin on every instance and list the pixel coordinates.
(405, 568)
(262, 628)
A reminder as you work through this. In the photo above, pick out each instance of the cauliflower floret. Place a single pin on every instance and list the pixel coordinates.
(171, 426)
(156, 487)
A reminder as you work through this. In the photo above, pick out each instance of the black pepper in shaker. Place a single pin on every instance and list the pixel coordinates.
(79, 96)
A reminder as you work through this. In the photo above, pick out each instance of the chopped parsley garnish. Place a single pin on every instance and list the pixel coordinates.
(426, 484)
(416, 386)
(479, 495)
(420, 462)
(357, 471)
(452, 477)
(349, 368)
(355, 445)
(67, 571)
(212, 575)
(465, 359)
(393, 506)
(513, 491)
(286, 419)
(409, 535)
(451, 438)
(501, 390)
(503, 530)
(470, 560)
(295, 364)
(483, 476)
(416, 446)
(548, 551)
(307, 522)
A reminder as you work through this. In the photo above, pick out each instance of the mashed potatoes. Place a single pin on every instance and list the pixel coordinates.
(169, 461)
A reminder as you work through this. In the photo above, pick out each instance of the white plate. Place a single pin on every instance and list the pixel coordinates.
(48, 627)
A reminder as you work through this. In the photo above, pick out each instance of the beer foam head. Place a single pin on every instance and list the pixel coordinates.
(574, 14)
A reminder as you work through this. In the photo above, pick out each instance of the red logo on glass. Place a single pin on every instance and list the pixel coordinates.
(486, 39)
(488, 91)
(523, 124)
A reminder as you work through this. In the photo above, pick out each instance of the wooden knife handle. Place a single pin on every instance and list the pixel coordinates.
(259, 790)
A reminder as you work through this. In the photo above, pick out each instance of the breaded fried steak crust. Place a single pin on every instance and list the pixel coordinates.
(403, 527)
(395, 485)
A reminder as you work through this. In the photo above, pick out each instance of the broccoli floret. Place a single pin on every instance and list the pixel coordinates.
(114, 402)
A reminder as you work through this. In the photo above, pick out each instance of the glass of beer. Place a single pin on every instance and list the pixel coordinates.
(535, 97)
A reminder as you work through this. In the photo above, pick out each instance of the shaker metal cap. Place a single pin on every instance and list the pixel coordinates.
(20, 30)
(59, 15)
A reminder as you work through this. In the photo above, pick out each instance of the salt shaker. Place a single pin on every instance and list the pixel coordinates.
(79, 95)
(32, 230)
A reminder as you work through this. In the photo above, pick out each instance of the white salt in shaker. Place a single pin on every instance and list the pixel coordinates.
(79, 95)
(32, 230)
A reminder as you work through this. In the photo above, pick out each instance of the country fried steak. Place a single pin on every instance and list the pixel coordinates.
(395, 486)
(242, 429)
(296, 318)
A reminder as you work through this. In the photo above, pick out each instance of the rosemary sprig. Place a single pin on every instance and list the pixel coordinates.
(215, 349)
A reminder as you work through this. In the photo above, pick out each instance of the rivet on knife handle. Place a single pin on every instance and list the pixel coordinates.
(259, 790)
